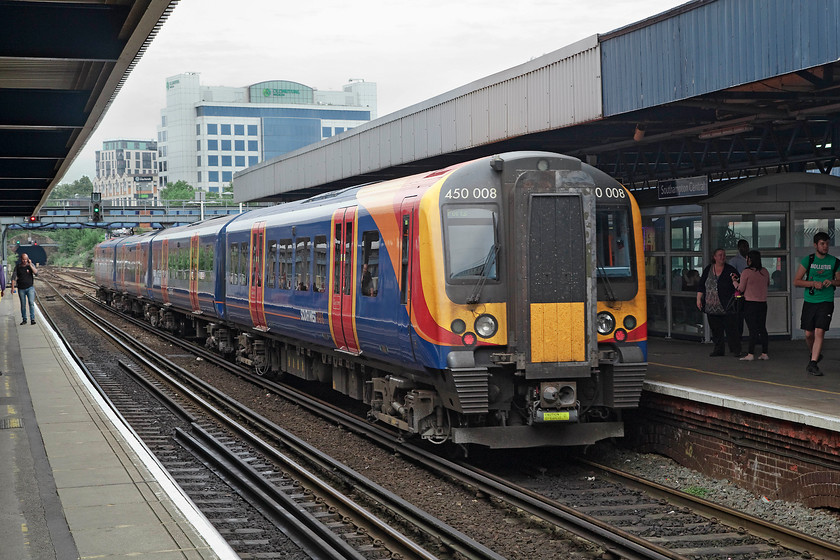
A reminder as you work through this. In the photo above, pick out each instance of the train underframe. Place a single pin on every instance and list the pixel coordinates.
(475, 401)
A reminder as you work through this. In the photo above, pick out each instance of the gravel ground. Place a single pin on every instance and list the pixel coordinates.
(818, 523)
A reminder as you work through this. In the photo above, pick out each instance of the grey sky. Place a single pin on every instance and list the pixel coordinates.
(413, 50)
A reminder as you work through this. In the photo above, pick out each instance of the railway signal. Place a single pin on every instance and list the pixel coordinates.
(96, 213)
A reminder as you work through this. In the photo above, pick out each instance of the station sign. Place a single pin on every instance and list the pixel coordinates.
(685, 187)
(143, 179)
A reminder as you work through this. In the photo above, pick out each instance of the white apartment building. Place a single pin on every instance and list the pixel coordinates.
(206, 134)
(127, 172)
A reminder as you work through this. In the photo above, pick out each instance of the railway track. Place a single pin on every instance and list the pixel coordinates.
(696, 531)
(311, 509)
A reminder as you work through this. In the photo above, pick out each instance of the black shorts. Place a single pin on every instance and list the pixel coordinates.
(816, 315)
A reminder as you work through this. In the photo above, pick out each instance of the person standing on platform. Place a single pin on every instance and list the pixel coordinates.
(753, 283)
(713, 296)
(818, 274)
(739, 261)
(23, 278)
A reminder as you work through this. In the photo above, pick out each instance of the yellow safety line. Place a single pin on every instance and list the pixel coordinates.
(744, 378)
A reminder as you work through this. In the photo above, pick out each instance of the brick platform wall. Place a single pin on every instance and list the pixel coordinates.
(774, 458)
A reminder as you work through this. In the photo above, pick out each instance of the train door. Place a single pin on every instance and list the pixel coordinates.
(342, 279)
(408, 217)
(194, 248)
(256, 291)
(164, 272)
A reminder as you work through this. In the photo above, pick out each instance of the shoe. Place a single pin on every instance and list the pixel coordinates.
(764, 357)
(819, 358)
(748, 358)
(23, 322)
(813, 368)
(716, 353)
(32, 322)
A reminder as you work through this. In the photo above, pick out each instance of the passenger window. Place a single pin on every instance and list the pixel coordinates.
(233, 262)
(303, 249)
(320, 263)
(406, 229)
(370, 263)
(243, 264)
(272, 264)
(284, 254)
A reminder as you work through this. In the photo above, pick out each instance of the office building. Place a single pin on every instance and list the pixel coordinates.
(206, 134)
(127, 172)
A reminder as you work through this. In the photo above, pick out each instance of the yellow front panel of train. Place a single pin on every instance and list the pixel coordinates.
(558, 332)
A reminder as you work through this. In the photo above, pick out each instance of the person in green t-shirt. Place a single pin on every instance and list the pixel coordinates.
(819, 276)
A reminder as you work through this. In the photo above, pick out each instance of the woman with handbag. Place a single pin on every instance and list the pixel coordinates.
(753, 284)
(716, 298)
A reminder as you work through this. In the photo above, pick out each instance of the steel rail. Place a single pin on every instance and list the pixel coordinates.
(442, 532)
(612, 539)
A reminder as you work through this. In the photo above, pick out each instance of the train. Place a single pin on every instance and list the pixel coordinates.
(497, 302)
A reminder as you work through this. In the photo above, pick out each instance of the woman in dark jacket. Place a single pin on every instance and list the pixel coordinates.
(713, 296)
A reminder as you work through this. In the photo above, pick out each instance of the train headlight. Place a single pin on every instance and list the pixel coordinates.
(630, 322)
(486, 326)
(606, 323)
(458, 326)
(556, 394)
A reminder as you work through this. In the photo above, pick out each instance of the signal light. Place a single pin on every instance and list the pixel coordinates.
(17, 241)
(35, 243)
(97, 212)
(33, 218)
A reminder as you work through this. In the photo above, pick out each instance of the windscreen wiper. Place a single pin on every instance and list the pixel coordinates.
(475, 297)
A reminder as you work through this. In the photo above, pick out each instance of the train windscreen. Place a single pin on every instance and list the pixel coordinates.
(614, 251)
(471, 242)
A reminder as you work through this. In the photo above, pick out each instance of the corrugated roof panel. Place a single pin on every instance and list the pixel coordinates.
(516, 102)
(480, 118)
(497, 117)
(715, 46)
(539, 99)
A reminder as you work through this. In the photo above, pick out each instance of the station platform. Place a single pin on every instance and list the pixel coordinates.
(777, 388)
(75, 482)
(768, 426)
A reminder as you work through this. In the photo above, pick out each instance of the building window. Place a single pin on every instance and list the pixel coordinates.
(213, 176)
(239, 161)
(253, 146)
(225, 145)
(212, 161)
(239, 129)
(326, 131)
(239, 145)
(199, 176)
(339, 129)
(252, 130)
(198, 161)
(253, 160)
(226, 161)
(198, 130)
(227, 176)
(212, 129)
(198, 145)
(212, 144)
(225, 129)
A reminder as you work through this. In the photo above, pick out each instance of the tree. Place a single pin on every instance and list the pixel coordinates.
(180, 190)
(82, 187)
(226, 194)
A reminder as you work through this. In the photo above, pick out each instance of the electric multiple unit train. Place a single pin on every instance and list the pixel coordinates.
(498, 302)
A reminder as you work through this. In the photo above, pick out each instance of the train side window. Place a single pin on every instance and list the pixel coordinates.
(320, 263)
(285, 255)
(370, 263)
(233, 263)
(272, 264)
(243, 263)
(303, 250)
(406, 229)
(337, 252)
